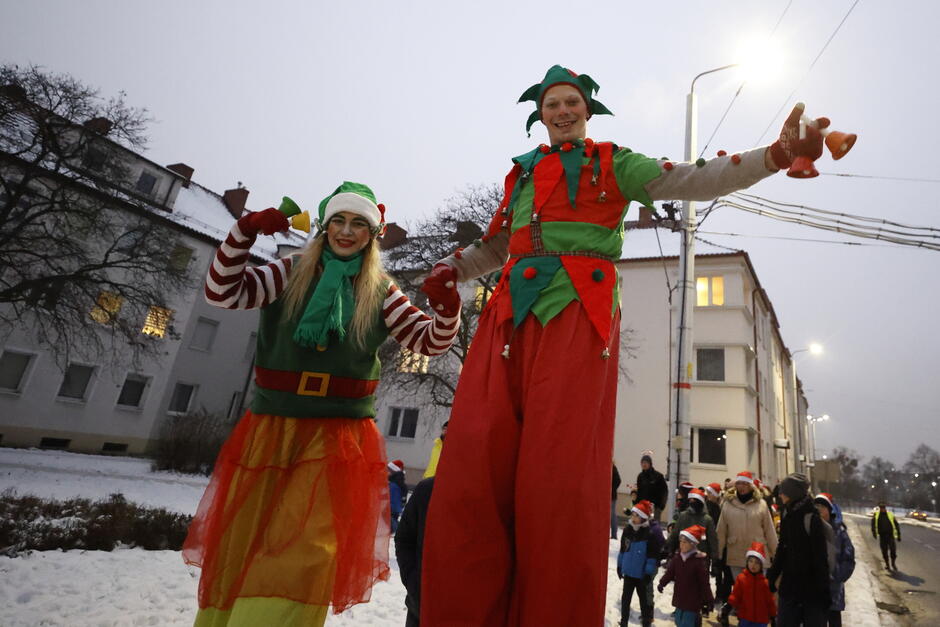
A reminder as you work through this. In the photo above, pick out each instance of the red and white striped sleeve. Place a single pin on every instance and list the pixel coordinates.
(414, 329)
(233, 284)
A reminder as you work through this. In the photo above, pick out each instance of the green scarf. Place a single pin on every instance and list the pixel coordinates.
(331, 305)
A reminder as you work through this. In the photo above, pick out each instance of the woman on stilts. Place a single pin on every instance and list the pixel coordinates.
(296, 516)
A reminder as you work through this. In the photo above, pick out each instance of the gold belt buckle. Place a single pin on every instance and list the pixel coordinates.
(324, 383)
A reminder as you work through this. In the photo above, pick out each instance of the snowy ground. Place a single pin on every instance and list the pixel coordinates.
(137, 587)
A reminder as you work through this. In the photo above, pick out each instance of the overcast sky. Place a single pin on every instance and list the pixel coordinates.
(417, 99)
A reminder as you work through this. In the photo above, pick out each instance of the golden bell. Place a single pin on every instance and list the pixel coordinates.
(301, 221)
(839, 143)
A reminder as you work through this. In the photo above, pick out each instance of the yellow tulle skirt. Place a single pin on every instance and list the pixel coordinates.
(295, 519)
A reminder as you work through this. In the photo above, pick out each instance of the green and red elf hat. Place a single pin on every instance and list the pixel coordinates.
(355, 198)
(558, 75)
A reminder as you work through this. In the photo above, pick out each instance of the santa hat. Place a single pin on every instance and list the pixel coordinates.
(757, 550)
(355, 198)
(697, 494)
(694, 534)
(825, 498)
(558, 75)
(686, 486)
(746, 476)
(396, 465)
(714, 489)
(644, 509)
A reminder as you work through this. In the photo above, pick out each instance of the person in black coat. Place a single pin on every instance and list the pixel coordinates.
(651, 485)
(614, 484)
(802, 559)
(409, 538)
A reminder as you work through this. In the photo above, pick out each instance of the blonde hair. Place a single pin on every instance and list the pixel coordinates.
(369, 286)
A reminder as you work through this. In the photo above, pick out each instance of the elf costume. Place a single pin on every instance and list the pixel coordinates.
(296, 515)
(534, 409)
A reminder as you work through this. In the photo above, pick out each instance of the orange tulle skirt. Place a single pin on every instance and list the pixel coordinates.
(296, 510)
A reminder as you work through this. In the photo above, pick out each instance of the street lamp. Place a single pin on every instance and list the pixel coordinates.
(814, 348)
(812, 421)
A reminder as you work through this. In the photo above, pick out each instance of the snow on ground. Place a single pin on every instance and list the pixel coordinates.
(136, 587)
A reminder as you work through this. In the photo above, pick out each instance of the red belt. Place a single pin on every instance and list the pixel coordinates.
(308, 383)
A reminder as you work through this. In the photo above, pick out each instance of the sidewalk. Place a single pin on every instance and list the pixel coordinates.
(862, 589)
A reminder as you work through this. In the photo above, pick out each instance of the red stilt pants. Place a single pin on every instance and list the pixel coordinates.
(517, 530)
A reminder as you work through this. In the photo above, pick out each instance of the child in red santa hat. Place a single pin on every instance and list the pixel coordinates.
(751, 596)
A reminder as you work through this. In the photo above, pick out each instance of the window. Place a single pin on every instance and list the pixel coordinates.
(106, 308)
(129, 241)
(711, 290)
(708, 446)
(182, 398)
(133, 390)
(13, 367)
(54, 443)
(114, 447)
(46, 295)
(179, 258)
(403, 422)
(76, 381)
(480, 296)
(204, 334)
(415, 363)
(157, 320)
(711, 364)
(94, 158)
(145, 183)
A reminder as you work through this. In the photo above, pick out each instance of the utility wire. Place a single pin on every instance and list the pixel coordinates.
(705, 241)
(802, 239)
(811, 65)
(777, 204)
(743, 83)
(837, 229)
(663, 257)
(882, 178)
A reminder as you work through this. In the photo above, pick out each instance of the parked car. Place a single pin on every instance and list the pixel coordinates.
(917, 515)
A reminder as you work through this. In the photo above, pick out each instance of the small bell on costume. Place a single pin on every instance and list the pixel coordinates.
(505, 352)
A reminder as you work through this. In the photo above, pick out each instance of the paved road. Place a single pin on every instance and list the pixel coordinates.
(917, 582)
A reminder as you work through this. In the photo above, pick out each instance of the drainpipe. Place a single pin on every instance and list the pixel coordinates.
(760, 458)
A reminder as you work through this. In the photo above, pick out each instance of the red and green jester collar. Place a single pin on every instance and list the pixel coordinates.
(558, 75)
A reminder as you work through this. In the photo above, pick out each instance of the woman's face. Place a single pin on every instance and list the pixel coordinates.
(347, 233)
(743, 487)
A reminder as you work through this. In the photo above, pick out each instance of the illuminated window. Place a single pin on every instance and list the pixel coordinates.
(157, 320)
(480, 297)
(106, 308)
(415, 363)
(710, 290)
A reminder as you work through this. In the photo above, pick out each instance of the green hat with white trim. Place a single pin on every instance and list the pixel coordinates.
(355, 198)
(558, 75)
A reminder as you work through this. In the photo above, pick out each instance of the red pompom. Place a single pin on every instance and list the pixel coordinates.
(735, 159)
(544, 149)
(722, 153)
(458, 254)
(530, 272)
(588, 144)
(668, 166)
(566, 147)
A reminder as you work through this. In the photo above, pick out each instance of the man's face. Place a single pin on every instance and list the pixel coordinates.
(645, 465)
(564, 114)
(823, 511)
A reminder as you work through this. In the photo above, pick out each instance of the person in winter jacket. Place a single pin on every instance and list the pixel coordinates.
(397, 490)
(744, 519)
(801, 558)
(695, 515)
(651, 485)
(713, 501)
(844, 556)
(751, 596)
(691, 593)
(614, 484)
(409, 541)
(640, 546)
(885, 528)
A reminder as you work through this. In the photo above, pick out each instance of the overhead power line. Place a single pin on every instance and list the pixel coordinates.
(787, 100)
(882, 178)
(802, 239)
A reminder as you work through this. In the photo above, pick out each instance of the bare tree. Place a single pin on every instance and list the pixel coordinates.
(85, 256)
(457, 224)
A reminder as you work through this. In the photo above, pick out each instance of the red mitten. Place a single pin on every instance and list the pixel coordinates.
(790, 146)
(441, 288)
(269, 221)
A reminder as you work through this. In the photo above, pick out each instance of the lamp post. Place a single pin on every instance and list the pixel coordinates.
(682, 429)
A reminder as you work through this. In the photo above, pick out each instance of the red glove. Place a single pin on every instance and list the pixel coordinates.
(790, 146)
(441, 288)
(269, 221)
